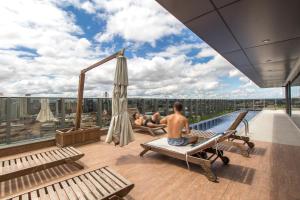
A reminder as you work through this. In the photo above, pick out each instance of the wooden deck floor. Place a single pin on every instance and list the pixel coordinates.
(272, 172)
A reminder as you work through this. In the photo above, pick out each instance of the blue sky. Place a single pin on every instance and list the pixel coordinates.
(45, 44)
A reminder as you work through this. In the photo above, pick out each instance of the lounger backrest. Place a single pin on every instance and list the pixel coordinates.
(238, 120)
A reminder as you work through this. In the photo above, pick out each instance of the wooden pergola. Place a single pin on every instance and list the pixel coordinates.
(81, 84)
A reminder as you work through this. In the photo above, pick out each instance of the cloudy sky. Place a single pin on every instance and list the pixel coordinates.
(45, 43)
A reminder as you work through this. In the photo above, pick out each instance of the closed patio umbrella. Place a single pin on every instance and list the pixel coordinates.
(45, 113)
(120, 130)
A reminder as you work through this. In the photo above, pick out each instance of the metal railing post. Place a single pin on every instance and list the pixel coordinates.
(8, 120)
(56, 108)
(99, 112)
(234, 105)
(167, 107)
(184, 106)
(155, 105)
(63, 112)
(197, 107)
(191, 108)
(143, 105)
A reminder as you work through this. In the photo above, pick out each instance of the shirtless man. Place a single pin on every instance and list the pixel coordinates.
(175, 123)
(142, 120)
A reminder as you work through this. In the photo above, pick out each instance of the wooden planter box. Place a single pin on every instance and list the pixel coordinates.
(67, 137)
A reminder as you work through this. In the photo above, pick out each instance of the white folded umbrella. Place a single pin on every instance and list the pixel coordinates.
(45, 113)
(120, 130)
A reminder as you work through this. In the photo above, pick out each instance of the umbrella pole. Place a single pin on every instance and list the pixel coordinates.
(81, 84)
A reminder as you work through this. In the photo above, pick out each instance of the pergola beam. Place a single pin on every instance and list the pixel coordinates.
(81, 84)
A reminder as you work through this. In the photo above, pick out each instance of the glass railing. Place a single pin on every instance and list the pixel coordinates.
(32, 118)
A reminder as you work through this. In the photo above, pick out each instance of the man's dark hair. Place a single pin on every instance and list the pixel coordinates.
(178, 106)
(134, 115)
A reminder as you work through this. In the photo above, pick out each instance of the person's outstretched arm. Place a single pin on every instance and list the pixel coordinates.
(164, 120)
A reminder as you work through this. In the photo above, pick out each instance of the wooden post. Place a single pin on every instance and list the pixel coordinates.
(79, 100)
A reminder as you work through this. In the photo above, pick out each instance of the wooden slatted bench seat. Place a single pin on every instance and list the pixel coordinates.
(20, 166)
(102, 183)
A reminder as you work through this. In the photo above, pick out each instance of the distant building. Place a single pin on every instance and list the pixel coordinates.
(106, 94)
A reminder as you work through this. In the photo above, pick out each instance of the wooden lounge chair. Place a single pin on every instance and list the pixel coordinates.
(20, 166)
(233, 138)
(241, 118)
(204, 153)
(152, 131)
(102, 183)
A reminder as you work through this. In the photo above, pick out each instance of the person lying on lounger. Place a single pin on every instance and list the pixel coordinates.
(176, 123)
(143, 120)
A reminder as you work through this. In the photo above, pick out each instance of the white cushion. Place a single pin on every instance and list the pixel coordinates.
(163, 143)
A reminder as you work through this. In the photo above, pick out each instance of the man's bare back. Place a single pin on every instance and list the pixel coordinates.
(175, 123)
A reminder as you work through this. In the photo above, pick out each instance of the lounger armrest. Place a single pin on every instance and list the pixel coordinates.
(211, 142)
(226, 135)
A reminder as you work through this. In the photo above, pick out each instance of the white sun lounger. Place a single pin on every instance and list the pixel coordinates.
(204, 153)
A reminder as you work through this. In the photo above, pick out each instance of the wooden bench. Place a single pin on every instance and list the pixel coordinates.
(20, 166)
(102, 183)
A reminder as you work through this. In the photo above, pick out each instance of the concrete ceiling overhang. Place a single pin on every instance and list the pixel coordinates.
(259, 37)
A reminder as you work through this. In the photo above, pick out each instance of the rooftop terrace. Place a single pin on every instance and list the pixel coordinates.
(271, 172)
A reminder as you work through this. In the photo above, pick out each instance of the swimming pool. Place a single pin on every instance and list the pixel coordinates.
(222, 123)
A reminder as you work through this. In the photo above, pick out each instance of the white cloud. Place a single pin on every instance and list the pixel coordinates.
(51, 33)
(59, 51)
(207, 51)
(134, 20)
(244, 79)
(178, 49)
(234, 73)
(85, 5)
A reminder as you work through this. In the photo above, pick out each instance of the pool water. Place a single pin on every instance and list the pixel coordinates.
(222, 123)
